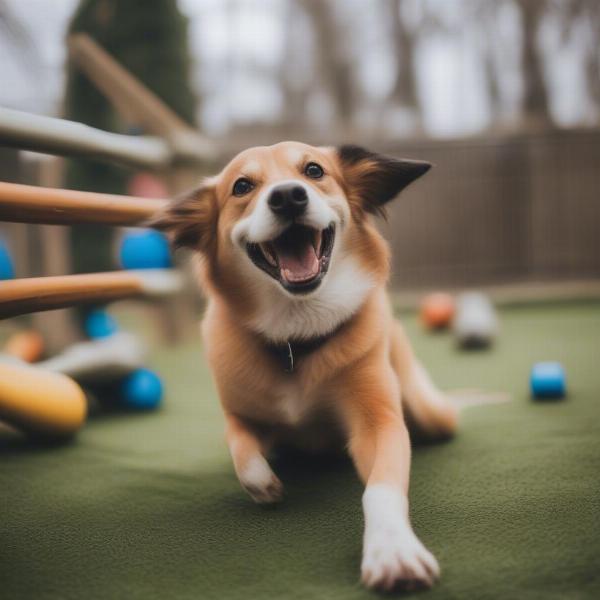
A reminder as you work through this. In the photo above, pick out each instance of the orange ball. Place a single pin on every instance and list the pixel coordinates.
(437, 310)
(25, 345)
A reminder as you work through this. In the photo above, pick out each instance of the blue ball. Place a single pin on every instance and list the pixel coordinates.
(141, 390)
(7, 269)
(548, 380)
(145, 249)
(99, 324)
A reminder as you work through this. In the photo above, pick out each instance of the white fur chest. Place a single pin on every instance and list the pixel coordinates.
(342, 293)
(291, 405)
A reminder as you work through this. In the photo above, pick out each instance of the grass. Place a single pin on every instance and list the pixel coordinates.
(147, 506)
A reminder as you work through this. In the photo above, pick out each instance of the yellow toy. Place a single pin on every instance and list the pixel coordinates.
(40, 402)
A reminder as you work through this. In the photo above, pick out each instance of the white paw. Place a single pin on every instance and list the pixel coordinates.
(260, 482)
(395, 558)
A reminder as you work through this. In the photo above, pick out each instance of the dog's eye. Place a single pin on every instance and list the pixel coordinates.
(313, 170)
(242, 187)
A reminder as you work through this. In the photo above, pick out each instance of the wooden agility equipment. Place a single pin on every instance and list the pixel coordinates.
(67, 138)
(38, 400)
(137, 105)
(135, 102)
(172, 147)
(33, 294)
(41, 401)
(33, 204)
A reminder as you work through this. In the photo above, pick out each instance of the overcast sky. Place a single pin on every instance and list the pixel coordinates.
(453, 98)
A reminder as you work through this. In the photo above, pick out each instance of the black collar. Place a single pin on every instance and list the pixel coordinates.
(288, 353)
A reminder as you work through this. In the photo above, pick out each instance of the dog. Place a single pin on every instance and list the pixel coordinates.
(300, 335)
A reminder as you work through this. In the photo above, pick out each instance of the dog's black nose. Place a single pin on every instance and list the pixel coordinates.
(288, 200)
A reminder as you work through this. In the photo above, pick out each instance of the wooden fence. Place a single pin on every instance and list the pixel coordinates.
(495, 210)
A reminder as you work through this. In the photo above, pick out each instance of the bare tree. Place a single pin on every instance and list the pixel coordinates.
(22, 47)
(592, 59)
(582, 18)
(403, 37)
(482, 16)
(333, 63)
(535, 103)
(404, 91)
(295, 91)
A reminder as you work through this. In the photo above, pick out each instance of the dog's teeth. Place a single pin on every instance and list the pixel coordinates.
(317, 241)
(268, 254)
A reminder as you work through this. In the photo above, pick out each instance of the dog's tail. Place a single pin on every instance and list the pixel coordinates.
(429, 413)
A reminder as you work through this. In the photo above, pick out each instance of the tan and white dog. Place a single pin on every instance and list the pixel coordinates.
(300, 334)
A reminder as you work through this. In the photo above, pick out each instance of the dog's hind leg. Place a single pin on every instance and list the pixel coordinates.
(253, 471)
(428, 411)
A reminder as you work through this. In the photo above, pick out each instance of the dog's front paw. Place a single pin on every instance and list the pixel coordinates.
(395, 558)
(260, 482)
(270, 493)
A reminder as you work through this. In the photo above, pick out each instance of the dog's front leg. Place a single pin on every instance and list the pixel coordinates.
(251, 466)
(393, 556)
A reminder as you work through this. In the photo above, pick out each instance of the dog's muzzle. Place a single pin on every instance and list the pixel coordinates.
(298, 252)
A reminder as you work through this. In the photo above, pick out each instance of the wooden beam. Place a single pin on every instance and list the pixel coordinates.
(68, 138)
(23, 296)
(134, 101)
(32, 204)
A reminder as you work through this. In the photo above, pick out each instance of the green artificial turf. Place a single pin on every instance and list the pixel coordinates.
(147, 506)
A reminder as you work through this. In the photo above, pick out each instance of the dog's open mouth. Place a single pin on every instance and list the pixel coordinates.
(298, 258)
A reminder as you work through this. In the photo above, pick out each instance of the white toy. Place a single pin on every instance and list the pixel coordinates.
(102, 360)
(476, 322)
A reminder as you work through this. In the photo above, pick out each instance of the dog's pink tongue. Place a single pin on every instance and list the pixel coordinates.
(300, 265)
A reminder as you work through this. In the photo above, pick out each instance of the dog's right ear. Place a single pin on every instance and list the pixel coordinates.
(190, 221)
(374, 179)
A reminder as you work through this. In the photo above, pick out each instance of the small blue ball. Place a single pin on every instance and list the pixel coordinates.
(7, 269)
(141, 390)
(145, 249)
(547, 380)
(99, 324)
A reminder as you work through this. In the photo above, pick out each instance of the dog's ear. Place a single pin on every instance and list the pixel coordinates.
(373, 180)
(190, 220)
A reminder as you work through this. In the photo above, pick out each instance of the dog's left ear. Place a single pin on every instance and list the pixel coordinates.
(190, 220)
(373, 179)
